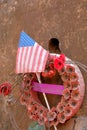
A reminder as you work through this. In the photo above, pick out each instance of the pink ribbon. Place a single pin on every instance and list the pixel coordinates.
(48, 88)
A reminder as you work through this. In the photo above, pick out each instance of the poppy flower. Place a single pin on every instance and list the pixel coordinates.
(30, 114)
(66, 93)
(75, 85)
(34, 109)
(54, 109)
(51, 73)
(26, 92)
(28, 78)
(45, 114)
(70, 69)
(30, 103)
(33, 112)
(73, 103)
(44, 74)
(41, 120)
(73, 76)
(68, 85)
(61, 117)
(35, 116)
(51, 66)
(75, 94)
(67, 111)
(58, 64)
(40, 110)
(64, 101)
(5, 89)
(51, 116)
(61, 72)
(47, 124)
(55, 122)
(60, 107)
(62, 57)
(65, 76)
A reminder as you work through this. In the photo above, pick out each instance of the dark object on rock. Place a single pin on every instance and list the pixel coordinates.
(53, 46)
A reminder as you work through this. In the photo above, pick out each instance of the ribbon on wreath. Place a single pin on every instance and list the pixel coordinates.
(48, 88)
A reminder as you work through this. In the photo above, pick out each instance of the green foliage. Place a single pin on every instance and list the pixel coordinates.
(36, 126)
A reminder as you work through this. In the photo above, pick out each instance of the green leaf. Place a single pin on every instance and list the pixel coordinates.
(36, 126)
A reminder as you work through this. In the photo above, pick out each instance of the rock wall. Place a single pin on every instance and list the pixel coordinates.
(42, 20)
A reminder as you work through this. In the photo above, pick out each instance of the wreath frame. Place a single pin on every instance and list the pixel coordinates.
(70, 102)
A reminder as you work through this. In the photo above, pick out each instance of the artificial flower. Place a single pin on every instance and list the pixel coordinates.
(59, 62)
(65, 76)
(67, 111)
(75, 94)
(73, 76)
(5, 89)
(67, 84)
(62, 71)
(55, 122)
(51, 115)
(60, 107)
(41, 120)
(75, 85)
(73, 103)
(61, 117)
(49, 73)
(62, 57)
(64, 101)
(70, 69)
(66, 93)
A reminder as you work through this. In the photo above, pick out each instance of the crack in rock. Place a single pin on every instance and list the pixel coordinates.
(74, 125)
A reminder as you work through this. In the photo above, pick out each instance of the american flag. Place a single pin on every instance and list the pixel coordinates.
(31, 57)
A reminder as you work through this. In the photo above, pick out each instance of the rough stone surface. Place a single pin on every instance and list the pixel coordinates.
(41, 19)
(80, 124)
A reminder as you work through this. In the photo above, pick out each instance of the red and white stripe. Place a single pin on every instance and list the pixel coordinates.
(31, 59)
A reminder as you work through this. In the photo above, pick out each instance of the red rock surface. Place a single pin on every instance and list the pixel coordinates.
(42, 20)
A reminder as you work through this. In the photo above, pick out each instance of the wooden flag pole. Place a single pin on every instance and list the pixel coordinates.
(44, 95)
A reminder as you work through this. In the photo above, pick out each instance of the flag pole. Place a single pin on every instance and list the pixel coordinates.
(44, 95)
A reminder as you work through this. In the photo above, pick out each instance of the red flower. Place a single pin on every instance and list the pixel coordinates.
(67, 111)
(51, 73)
(75, 85)
(59, 62)
(66, 93)
(68, 85)
(5, 89)
(73, 76)
(60, 107)
(75, 94)
(70, 69)
(62, 57)
(51, 115)
(51, 66)
(73, 103)
(64, 101)
(61, 117)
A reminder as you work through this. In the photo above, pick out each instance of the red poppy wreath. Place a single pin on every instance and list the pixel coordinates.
(72, 94)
